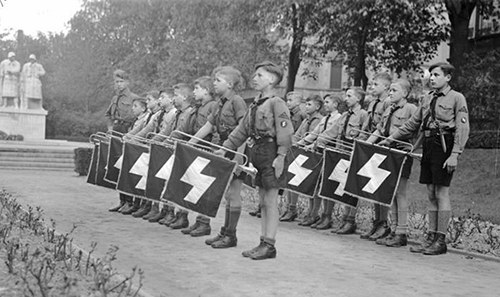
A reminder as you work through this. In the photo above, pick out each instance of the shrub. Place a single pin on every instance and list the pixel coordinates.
(83, 157)
(486, 139)
(3, 135)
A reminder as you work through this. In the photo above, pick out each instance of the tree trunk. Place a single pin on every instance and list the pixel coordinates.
(294, 58)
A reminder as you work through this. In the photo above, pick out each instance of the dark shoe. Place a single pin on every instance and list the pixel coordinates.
(382, 231)
(216, 238)
(159, 216)
(284, 214)
(319, 222)
(311, 221)
(135, 207)
(255, 212)
(126, 208)
(383, 240)
(259, 214)
(190, 228)
(202, 230)
(336, 227)
(117, 207)
(373, 229)
(348, 228)
(397, 240)
(429, 239)
(326, 224)
(225, 242)
(170, 216)
(153, 212)
(142, 211)
(248, 253)
(438, 247)
(181, 222)
(303, 220)
(267, 251)
(173, 219)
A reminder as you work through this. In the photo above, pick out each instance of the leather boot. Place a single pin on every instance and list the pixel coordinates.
(348, 228)
(383, 240)
(255, 212)
(326, 224)
(174, 219)
(267, 251)
(371, 231)
(229, 240)
(126, 207)
(154, 211)
(429, 238)
(218, 237)
(117, 207)
(382, 231)
(189, 229)
(135, 207)
(169, 217)
(310, 221)
(398, 240)
(202, 230)
(303, 220)
(181, 222)
(144, 210)
(289, 216)
(319, 222)
(438, 247)
(248, 253)
(159, 216)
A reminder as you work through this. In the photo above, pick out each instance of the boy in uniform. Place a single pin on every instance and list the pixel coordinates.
(270, 130)
(443, 116)
(295, 101)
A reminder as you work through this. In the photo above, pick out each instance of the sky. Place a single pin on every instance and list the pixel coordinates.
(32, 16)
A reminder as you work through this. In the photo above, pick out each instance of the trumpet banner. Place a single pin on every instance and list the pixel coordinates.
(91, 175)
(114, 159)
(134, 171)
(374, 172)
(335, 167)
(160, 168)
(101, 166)
(198, 180)
(304, 169)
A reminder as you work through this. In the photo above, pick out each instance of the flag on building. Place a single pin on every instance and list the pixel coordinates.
(114, 159)
(159, 170)
(304, 169)
(335, 167)
(374, 172)
(132, 178)
(101, 166)
(199, 179)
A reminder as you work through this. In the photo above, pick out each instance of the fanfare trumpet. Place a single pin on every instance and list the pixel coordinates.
(335, 144)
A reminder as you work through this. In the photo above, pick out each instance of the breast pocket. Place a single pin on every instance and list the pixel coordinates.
(353, 130)
(228, 117)
(264, 120)
(445, 112)
(398, 121)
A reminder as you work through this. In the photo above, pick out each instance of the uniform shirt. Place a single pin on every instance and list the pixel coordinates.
(400, 116)
(30, 80)
(451, 115)
(139, 123)
(227, 114)
(9, 78)
(308, 125)
(136, 128)
(297, 115)
(203, 112)
(196, 119)
(326, 123)
(375, 111)
(121, 108)
(272, 119)
(358, 121)
(166, 124)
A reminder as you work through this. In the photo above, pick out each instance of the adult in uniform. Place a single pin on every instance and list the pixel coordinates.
(443, 116)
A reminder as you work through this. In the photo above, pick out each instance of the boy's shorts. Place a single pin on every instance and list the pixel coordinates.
(433, 158)
(262, 155)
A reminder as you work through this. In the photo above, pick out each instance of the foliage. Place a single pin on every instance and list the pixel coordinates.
(5, 136)
(83, 157)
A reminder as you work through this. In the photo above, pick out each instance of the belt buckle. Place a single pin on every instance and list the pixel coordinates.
(250, 142)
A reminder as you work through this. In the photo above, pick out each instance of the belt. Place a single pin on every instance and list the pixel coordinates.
(434, 132)
(259, 140)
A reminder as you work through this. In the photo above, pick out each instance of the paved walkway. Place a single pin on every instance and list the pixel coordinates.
(309, 263)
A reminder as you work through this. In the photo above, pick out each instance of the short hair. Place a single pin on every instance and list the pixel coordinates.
(316, 98)
(359, 92)
(447, 68)
(205, 82)
(143, 102)
(153, 93)
(405, 85)
(231, 74)
(168, 91)
(334, 98)
(121, 74)
(296, 94)
(383, 76)
(184, 90)
(273, 69)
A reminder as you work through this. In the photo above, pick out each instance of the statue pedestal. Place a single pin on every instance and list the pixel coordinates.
(30, 123)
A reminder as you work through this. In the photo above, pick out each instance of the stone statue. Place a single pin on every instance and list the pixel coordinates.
(9, 81)
(31, 86)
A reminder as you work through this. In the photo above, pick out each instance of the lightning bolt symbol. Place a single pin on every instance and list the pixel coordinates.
(119, 162)
(300, 172)
(339, 174)
(141, 168)
(200, 182)
(374, 173)
(166, 169)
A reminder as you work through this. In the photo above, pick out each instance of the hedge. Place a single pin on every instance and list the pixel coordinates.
(83, 156)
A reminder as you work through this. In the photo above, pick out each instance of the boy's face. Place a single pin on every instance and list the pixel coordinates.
(351, 99)
(311, 107)
(120, 84)
(292, 101)
(330, 105)
(199, 92)
(137, 109)
(439, 79)
(152, 102)
(378, 87)
(221, 85)
(262, 79)
(165, 100)
(178, 99)
(396, 93)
